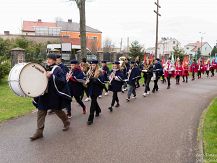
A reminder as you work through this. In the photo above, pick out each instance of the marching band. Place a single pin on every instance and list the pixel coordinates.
(89, 78)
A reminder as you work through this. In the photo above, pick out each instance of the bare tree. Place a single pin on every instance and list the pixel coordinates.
(93, 46)
(108, 46)
(81, 7)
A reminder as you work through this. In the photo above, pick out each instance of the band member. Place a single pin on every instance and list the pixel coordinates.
(185, 72)
(125, 67)
(194, 69)
(212, 68)
(139, 66)
(64, 68)
(115, 84)
(200, 69)
(207, 67)
(95, 85)
(169, 71)
(106, 72)
(57, 97)
(133, 75)
(148, 73)
(75, 80)
(179, 71)
(157, 72)
(85, 67)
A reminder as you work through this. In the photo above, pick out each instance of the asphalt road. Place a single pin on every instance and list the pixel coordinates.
(161, 128)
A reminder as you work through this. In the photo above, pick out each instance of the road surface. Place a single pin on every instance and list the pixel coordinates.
(161, 128)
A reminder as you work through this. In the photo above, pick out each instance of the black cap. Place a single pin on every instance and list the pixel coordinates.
(74, 62)
(103, 61)
(94, 62)
(132, 62)
(59, 55)
(116, 63)
(52, 56)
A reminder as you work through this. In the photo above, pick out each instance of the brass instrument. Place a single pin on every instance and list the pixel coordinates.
(112, 76)
(90, 74)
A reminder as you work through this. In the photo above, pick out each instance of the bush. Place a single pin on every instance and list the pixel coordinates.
(4, 67)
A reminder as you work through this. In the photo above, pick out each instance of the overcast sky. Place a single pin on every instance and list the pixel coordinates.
(182, 19)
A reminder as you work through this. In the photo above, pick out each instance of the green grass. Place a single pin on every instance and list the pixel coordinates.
(12, 106)
(210, 134)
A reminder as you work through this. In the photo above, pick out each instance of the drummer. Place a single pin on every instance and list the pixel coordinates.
(56, 98)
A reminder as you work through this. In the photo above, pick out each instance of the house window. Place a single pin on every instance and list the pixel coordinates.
(187, 48)
(174, 42)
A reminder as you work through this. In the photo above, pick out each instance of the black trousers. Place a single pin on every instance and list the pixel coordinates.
(212, 72)
(185, 78)
(199, 74)
(168, 79)
(105, 88)
(177, 79)
(193, 75)
(115, 98)
(86, 92)
(156, 84)
(79, 101)
(147, 82)
(207, 73)
(94, 107)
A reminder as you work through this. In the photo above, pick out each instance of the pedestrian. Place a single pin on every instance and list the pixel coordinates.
(148, 73)
(106, 72)
(95, 85)
(57, 97)
(85, 68)
(76, 79)
(115, 84)
(133, 75)
(200, 69)
(169, 71)
(157, 73)
(194, 68)
(185, 72)
(178, 71)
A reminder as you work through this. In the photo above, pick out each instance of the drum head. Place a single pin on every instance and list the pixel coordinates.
(33, 80)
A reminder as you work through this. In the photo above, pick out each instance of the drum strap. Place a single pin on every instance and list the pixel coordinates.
(64, 94)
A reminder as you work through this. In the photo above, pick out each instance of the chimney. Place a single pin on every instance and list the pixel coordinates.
(6, 32)
(39, 20)
(69, 20)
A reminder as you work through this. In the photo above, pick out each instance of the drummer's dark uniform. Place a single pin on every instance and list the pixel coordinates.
(57, 97)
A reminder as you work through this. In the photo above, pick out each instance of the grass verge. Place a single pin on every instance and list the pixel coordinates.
(210, 133)
(12, 106)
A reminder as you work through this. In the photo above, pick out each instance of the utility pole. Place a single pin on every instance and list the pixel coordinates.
(201, 42)
(157, 25)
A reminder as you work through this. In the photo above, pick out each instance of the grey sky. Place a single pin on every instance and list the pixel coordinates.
(182, 19)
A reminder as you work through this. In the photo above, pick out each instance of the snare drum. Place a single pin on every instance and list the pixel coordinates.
(28, 79)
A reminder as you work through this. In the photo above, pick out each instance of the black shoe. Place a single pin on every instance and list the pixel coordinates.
(89, 123)
(97, 115)
(111, 109)
(168, 87)
(50, 112)
(69, 115)
(153, 91)
(117, 105)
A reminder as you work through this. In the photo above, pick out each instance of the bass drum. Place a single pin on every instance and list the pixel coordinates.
(28, 79)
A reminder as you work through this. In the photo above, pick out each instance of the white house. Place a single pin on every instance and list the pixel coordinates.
(192, 48)
(165, 46)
